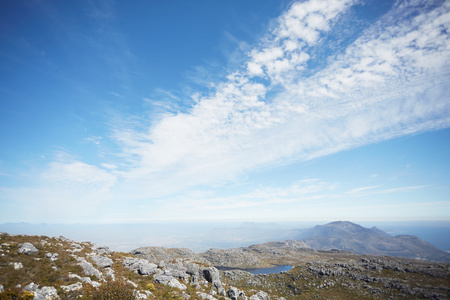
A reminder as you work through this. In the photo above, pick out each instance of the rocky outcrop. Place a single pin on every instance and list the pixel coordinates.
(168, 280)
(73, 287)
(88, 268)
(260, 296)
(28, 248)
(234, 294)
(102, 261)
(140, 266)
(158, 254)
(46, 292)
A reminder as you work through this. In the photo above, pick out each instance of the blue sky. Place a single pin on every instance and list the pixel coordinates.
(263, 110)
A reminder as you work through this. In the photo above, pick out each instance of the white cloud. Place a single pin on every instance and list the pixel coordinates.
(374, 91)
(392, 81)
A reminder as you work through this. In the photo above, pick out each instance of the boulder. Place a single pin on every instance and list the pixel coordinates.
(102, 261)
(44, 293)
(212, 275)
(89, 269)
(102, 249)
(28, 248)
(260, 296)
(206, 296)
(235, 294)
(169, 281)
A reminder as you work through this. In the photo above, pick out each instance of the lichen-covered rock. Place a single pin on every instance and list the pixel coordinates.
(28, 248)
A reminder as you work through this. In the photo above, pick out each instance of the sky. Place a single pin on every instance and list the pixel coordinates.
(144, 111)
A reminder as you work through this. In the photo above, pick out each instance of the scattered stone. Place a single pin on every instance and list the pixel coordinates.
(132, 283)
(17, 265)
(53, 257)
(72, 287)
(28, 248)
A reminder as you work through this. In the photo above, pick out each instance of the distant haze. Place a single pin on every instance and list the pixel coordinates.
(200, 236)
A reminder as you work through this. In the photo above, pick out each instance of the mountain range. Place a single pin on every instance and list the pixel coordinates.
(344, 235)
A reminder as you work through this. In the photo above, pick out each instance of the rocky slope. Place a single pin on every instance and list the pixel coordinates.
(34, 267)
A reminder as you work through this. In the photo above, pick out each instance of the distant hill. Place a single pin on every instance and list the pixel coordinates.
(348, 236)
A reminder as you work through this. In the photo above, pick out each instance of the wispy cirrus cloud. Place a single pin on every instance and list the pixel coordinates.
(390, 82)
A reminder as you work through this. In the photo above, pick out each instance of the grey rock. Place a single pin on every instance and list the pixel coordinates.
(193, 269)
(102, 249)
(76, 246)
(102, 261)
(2, 289)
(177, 270)
(148, 269)
(44, 293)
(72, 287)
(91, 282)
(141, 266)
(132, 283)
(233, 293)
(260, 296)
(47, 292)
(89, 269)
(32, 287)
(212, 275)
(169, 281)
(17, 265)
(28, 248)
(206, 296)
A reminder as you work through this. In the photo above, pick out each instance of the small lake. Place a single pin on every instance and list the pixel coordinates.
(256, 271)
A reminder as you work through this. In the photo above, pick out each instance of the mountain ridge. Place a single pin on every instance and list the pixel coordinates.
(345, 235)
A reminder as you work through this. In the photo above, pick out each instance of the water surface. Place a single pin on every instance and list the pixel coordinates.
(256, 271)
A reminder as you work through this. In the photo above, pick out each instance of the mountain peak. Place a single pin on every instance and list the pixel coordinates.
(345, 235)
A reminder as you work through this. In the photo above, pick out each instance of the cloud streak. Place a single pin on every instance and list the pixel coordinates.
(390, 82)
